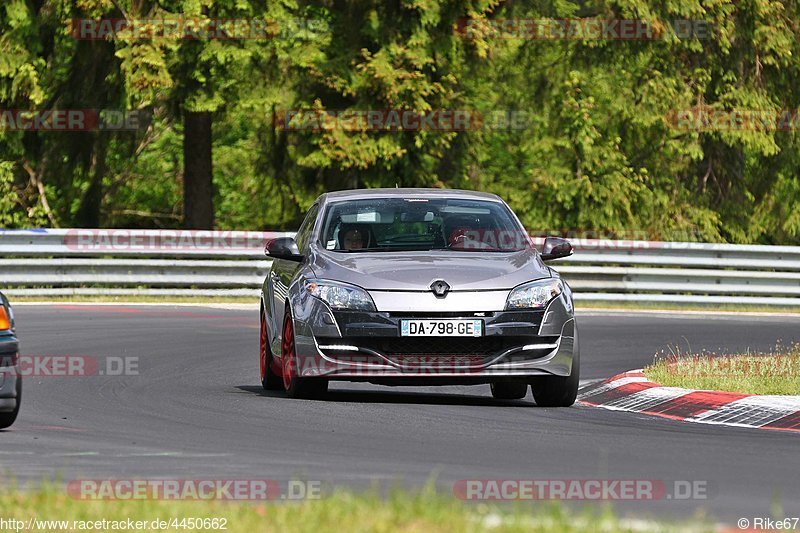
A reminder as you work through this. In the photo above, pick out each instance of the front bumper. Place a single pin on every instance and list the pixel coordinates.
(367, 346)
(9, 372)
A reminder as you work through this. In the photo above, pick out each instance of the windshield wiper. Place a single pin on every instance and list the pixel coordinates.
(387, 249)
(490, 250)
(358, 250)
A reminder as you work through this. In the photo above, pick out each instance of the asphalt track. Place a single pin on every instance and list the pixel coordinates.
(196, 410)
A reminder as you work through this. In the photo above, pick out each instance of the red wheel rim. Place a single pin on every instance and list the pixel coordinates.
(263, 343)
(288, 353)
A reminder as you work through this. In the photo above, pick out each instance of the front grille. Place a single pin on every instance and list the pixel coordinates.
(432, 346)
(439, 352)
(440, 314)
(439, 345)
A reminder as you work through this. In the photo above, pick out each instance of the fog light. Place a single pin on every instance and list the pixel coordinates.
(339, 347)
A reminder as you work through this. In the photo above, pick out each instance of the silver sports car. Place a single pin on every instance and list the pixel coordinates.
(417, 287)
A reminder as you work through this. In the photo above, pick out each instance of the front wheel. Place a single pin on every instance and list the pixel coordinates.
(296, 386)
(557, 391)
(269, 379)
(6, 419)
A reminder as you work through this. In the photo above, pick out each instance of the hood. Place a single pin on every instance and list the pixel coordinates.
(415, 271)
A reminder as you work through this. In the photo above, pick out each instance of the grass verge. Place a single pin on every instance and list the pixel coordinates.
(774, 372)
(421, 511)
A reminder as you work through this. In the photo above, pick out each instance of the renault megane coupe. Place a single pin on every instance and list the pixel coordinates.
(417, 287)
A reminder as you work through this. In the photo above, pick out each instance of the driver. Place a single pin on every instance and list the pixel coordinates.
(353, 240)
(461, 231)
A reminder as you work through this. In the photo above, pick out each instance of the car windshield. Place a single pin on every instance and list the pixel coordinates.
(412, 224)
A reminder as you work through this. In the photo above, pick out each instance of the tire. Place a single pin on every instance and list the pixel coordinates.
(295, 386)
(557, 391)
(269, 379)
(6, 419)
(509, 390)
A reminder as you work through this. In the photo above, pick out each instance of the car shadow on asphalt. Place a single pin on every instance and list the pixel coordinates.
(380, 395)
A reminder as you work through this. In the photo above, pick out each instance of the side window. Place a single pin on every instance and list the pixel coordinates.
(307, 227)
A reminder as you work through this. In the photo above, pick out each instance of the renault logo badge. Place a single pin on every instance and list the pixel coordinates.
(440, 288)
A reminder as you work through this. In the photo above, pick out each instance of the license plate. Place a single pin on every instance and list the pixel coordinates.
(441, 328)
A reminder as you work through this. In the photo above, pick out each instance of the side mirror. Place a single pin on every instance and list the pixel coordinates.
(284, 248)
(556, 248)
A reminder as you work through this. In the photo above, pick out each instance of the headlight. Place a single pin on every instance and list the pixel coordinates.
(340, 295)
(534, 295)
(5, 319)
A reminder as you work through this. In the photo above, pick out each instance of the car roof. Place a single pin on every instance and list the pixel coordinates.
(357, 194)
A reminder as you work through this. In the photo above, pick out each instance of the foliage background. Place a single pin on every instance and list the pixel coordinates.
(597, 151)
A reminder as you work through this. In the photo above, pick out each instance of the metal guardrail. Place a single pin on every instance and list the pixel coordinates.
(196, 263)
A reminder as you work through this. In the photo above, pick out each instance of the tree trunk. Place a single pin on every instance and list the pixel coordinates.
(88, 214)
(198, 188)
